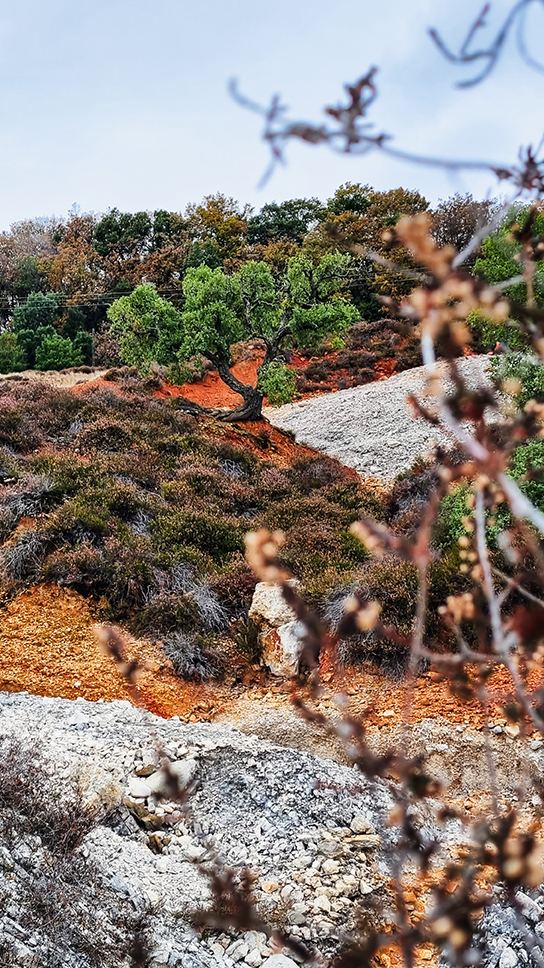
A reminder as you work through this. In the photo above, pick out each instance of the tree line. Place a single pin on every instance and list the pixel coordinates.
(165, 287)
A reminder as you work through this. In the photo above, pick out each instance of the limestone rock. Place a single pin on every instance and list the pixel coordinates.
(268, 606)
(279, 961)
(282, 649)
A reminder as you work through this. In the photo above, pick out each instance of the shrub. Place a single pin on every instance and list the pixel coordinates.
(82, 568)
(247, 640)
(520, 375)
(192, 371)
(277, 382)
(22, 558)
(487, 332)
(215, 537)
(235, 588)
(105, 434)
(57, 352)
(12, 355)
(29, 803)
(167, 612)
(107, 351)
(192, 657)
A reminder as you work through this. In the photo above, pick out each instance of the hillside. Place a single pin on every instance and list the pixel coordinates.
(121, 502)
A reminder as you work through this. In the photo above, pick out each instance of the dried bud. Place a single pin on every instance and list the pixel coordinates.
(262, 548)
(367, 616)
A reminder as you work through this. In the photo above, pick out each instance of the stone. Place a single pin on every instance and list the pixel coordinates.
(279, 961)
(529, 907)
(142, 814)
(184, 770)
(268, 606)
(365, 887)
(282, 648)
(322, 903)
(360, 825)
(254, 958)
(369, 841)
(508, 958)
(237, 951)
(139, 789)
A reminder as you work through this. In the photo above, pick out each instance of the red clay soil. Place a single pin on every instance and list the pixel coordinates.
(49, 648)
(211, 391)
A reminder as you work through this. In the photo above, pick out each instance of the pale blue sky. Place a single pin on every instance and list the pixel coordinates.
(123, 102)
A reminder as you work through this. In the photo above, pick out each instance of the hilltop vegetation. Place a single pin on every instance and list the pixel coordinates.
(58, 277)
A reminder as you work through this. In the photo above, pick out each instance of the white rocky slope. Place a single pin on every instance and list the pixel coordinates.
(372, 428)
(303, 825)
(313, 832)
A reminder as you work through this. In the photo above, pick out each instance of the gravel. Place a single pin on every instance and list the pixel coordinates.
(371, 428)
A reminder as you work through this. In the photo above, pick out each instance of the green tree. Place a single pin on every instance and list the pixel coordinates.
(147, 326)
(35, 320)
(304, 307)
(12, 355)
(500, 256)
(57, 352)
(291, 220)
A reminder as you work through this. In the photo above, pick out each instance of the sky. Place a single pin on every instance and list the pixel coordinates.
(124, 103)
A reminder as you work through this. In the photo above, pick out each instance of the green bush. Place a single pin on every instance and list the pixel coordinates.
(12, 354)
(523, 368)
(191, 371)
(57, 353)
(487, 332)
(209, 534)
(277, 382)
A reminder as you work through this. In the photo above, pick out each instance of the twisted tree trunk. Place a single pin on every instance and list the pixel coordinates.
(251, 408)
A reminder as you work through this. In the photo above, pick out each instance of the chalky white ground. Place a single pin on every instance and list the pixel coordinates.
(372, 428)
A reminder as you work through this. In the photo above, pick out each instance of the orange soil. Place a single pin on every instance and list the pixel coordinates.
(211, 391)
(49, 648)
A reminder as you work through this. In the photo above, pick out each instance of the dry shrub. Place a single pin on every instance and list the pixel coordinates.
(192, 657)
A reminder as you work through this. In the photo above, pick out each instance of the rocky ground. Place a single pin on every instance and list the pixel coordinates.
(372, 428)
(305, 829)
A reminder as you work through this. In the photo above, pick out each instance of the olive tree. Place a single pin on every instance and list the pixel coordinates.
(304, 307)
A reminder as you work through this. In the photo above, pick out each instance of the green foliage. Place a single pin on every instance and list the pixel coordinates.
(83, 346)
(56, 352)
(499, 259)
(206, 532)
(524, 369)
(148, 328)
(317, 308)
(527, 467)
(191, 371)
(351, 197)
(247, 640)
(204, 253)
(277, 382)
(34, 321)
(212, 317)
(12, 355)
(121, 232)
(449, 526)
(487, 332)
(289, 220)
